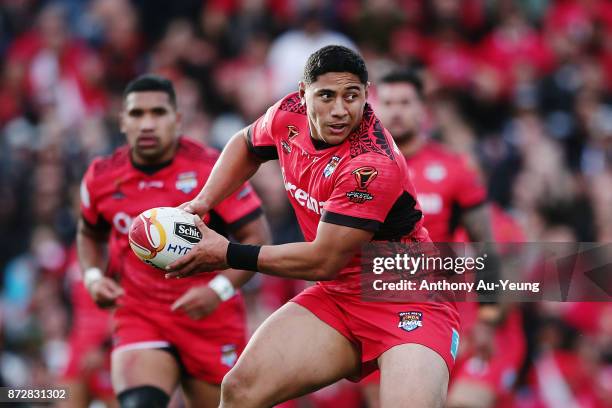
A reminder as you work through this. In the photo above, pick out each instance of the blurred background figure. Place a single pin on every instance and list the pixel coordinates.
(521, 89)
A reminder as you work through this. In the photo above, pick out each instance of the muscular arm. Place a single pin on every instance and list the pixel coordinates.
(477, 223)
(256, 233)
(91, 250)
(320, 259)
(91, 246)
(235, 166)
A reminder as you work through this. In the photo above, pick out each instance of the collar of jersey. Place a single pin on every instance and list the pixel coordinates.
(321, 145)
(150, 169)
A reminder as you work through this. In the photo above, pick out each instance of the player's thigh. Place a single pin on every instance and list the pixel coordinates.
(291, 353)
(200, 394)
(470, 394)
(371, 394)
(136, 367)
(412, 375)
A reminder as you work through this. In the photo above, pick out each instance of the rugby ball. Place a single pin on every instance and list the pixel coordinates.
(161, 235)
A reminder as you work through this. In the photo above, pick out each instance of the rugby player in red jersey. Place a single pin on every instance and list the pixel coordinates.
(349, 185)
(451, 195)
(186, 332)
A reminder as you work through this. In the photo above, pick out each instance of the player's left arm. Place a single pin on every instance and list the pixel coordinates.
(477, 222)
(254, 233)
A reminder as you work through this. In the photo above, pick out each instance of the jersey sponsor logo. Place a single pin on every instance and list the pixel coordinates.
(363, 177)
(410, 321)
(331, 166)
(188, 232)
(302, 197)
(435, 173)
(186, 182)
(229, 355)
(431, 203)
(146, 185)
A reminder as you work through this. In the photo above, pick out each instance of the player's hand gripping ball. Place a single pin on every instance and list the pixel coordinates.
(160, 236)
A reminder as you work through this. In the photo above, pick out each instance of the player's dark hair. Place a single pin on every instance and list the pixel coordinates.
(335, 58)
(404, 76)
(151, 82)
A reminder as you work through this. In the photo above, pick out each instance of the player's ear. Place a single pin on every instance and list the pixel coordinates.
(302, 92)
(367, 88)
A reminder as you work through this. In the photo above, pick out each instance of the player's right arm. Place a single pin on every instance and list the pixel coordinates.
(235, 165)
(239, 160)
(92, 238)
(91, 248)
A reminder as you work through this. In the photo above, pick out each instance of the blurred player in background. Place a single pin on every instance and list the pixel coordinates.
(348, 186)
(451, 194)
(166, 332)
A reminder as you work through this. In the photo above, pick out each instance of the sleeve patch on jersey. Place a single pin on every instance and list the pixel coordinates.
(363, 177)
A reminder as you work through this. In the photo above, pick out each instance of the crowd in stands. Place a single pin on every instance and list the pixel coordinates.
(523, 87)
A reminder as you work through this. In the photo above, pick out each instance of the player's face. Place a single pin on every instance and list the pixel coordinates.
(334, 104)
(400, 110)
(150, 123)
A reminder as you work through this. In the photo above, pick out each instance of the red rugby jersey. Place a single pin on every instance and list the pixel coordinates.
(361, 183)
(445, 185)
(114, 191)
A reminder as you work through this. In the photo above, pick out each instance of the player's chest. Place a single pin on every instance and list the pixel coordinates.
(433, 183)
(130, 193)
(309, 179)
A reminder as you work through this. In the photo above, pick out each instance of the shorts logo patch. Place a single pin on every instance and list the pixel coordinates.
(228, 355)
(410, 321)
(454, 344)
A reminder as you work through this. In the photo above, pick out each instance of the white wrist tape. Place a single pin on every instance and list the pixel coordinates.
(222, 287)
(92, 275)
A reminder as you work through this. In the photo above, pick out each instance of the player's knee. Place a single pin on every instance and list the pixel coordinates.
(146, 396)
(236, 386)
